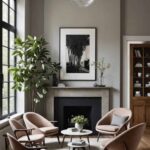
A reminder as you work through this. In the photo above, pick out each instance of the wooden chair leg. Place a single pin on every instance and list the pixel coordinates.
(58, 139)
(98, 137)
(44, 142)
(71, 139)
(6, 142)
(63, 140)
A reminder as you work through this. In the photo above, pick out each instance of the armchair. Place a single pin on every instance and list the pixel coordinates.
(128, 140)
(105, 126)
(34, 120)
(26, 135)
(16, 145)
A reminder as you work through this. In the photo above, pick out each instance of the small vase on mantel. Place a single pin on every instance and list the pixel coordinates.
(79, 126)
(101, 80)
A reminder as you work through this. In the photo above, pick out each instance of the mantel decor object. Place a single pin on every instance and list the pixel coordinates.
(101, 66)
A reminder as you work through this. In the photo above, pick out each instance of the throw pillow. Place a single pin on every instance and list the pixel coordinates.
(118, 120)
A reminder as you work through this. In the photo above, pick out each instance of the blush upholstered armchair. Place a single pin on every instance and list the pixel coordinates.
(16, 145)
(34, 120)
(24, 135)
(114, 122)
(128, 140)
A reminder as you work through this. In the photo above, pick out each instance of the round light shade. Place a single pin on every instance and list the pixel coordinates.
(84, 3)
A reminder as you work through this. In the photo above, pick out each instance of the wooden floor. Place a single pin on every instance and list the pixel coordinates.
(145, 142)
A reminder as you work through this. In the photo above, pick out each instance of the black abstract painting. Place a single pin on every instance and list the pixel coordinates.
(77, 50)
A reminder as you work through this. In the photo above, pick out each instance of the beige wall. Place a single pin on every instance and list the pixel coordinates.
(34, 24)
(136, 14)
(102, 14)
(36, 17)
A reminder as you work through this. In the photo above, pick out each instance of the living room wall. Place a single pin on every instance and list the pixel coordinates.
(102, 14)
(135, 17)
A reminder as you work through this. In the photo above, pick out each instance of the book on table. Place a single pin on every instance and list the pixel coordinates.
(79, 142)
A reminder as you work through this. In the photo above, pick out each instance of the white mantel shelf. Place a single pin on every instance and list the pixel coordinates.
(70, 87)
(68, 91)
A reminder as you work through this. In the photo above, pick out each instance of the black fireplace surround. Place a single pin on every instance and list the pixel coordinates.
(66, 107)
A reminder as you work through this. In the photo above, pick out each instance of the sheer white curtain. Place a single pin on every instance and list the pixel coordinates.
(83, 3)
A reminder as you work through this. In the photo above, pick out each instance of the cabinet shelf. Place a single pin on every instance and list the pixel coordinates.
(137, 87)
(138, 58)
(138, 77)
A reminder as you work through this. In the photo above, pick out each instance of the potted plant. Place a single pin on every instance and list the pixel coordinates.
(34, 68)
(79, 121)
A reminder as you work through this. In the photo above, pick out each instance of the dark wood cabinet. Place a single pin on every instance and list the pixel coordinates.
(140, 83)
(147, 110)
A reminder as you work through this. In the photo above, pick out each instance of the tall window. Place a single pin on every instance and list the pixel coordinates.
(7, 36)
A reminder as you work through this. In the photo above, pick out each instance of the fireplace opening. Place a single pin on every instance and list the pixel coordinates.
(66, 107)
(70, 111)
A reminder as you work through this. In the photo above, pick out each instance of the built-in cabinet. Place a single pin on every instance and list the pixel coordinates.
(140, 83)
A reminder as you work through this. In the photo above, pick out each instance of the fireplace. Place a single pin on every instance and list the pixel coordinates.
(70, 111)
(66, 107)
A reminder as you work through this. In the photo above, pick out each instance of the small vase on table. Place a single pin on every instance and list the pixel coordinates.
(79, 126)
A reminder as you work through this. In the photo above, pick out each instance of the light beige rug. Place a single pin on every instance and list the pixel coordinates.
(52, 143)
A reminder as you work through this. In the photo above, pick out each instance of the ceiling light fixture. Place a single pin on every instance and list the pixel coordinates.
(83, 3)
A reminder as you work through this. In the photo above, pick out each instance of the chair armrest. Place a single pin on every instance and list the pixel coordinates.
(27, 131)
(123, 127)
(24, 129)
(54, 122)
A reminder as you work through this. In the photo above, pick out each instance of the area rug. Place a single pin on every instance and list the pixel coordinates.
(52, 143)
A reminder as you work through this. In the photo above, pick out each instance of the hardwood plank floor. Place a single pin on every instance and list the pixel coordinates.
(145, 142)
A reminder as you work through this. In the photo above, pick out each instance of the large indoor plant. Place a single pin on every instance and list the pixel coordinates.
(79, 121)
(34, 67)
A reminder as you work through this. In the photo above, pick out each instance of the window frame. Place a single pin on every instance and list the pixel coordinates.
(10, 28)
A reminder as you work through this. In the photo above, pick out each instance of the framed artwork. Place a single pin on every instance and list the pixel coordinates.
(77, 53)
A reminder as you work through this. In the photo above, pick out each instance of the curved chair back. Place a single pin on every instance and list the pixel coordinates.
(15, 125)
(123, 112)
(117, 111)
(34, 120)
(14, 144)
(127, 140)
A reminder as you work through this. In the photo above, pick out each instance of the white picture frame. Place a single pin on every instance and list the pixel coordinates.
(77, 53)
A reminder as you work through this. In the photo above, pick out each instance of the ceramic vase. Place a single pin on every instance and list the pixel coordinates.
(79, 126)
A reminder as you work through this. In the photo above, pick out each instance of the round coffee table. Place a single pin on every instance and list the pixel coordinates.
(71, 133)
(83, 146)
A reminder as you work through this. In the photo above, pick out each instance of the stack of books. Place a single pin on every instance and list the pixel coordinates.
(80, 142)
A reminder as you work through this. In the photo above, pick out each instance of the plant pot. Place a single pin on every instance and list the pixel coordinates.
(79, 126)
